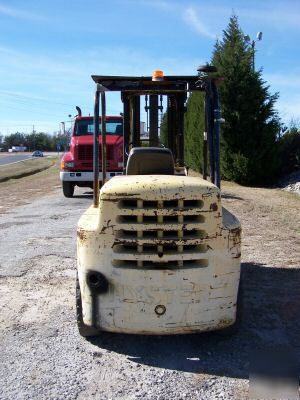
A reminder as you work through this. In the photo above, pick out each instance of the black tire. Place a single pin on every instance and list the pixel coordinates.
(84, 330)
(68, 189)
(234, 328)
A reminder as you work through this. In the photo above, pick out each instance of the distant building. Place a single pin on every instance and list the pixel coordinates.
(16, 149)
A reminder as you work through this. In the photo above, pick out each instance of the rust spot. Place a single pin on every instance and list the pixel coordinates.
(223, 323)
(237, 256)
(214, 207)
(235, 231)
(103, 229)
(128, 194)
(205, 195)
(111, 200)
(235, 235)
(81, 234)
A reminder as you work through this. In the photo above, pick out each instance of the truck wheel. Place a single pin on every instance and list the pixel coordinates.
(83, 329)
(68, 189)
(233, 329)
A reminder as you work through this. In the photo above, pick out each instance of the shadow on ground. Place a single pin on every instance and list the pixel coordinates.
(270, 318)
(230, 196)
(85, 195)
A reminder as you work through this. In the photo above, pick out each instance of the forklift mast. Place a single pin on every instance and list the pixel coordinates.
(175, 88)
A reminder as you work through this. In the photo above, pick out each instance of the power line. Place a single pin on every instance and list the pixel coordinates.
(33, 111)
(38, 99)
(27, 102)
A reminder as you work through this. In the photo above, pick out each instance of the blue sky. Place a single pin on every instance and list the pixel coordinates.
(49, 49)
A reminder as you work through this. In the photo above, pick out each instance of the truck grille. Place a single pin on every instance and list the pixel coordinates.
(160, 234)
(85, 152)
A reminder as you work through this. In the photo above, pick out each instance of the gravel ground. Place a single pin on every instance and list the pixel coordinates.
(291, 183)
(43, 356)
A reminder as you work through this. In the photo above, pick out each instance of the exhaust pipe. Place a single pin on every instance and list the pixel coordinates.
(79, 111)
(97, 282)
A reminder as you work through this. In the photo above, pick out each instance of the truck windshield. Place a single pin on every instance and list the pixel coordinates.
(86, 127)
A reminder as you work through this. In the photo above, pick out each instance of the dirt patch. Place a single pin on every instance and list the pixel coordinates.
(270, 224)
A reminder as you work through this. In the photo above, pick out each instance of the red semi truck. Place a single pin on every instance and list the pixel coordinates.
(77, 163)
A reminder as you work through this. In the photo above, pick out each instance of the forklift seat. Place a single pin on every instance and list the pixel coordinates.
(150, 160)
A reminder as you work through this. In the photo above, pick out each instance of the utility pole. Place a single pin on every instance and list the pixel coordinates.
(63, 128)
(33, 136)
(253, 42)
(63, 133)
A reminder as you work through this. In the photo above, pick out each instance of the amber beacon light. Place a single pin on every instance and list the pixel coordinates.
(158, 75)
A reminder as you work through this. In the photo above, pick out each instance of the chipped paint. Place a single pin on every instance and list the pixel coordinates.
(81, 235)
(214, 207)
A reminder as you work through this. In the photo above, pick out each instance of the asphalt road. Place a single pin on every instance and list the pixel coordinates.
(11, 158)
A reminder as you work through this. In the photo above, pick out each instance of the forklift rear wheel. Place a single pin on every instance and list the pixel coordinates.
(68, 189)
(83, 329)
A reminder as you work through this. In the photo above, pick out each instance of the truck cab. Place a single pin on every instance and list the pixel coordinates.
(77, 163)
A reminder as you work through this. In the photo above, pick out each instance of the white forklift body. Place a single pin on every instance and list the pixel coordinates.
(158, 256)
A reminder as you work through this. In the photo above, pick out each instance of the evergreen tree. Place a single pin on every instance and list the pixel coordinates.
(249, 135)
(193, 128)
(33, 141)
(15, 139)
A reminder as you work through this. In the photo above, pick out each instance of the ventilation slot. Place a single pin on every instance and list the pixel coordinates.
(166, 219)
(157, 248)
(156, 204)
(131, 204)
(166, 234)
(193, 203)
(201, 263)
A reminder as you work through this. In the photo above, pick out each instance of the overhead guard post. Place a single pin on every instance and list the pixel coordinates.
(96, 150)
(103, 130)
(210, 131)
(126, 127)
(204, 169)
(153, 111)
(217, 119)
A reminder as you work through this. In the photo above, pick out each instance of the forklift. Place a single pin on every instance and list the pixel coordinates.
(157, 253)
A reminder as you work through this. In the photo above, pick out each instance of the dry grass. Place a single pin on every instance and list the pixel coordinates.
(24, 190)
(25, 168)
